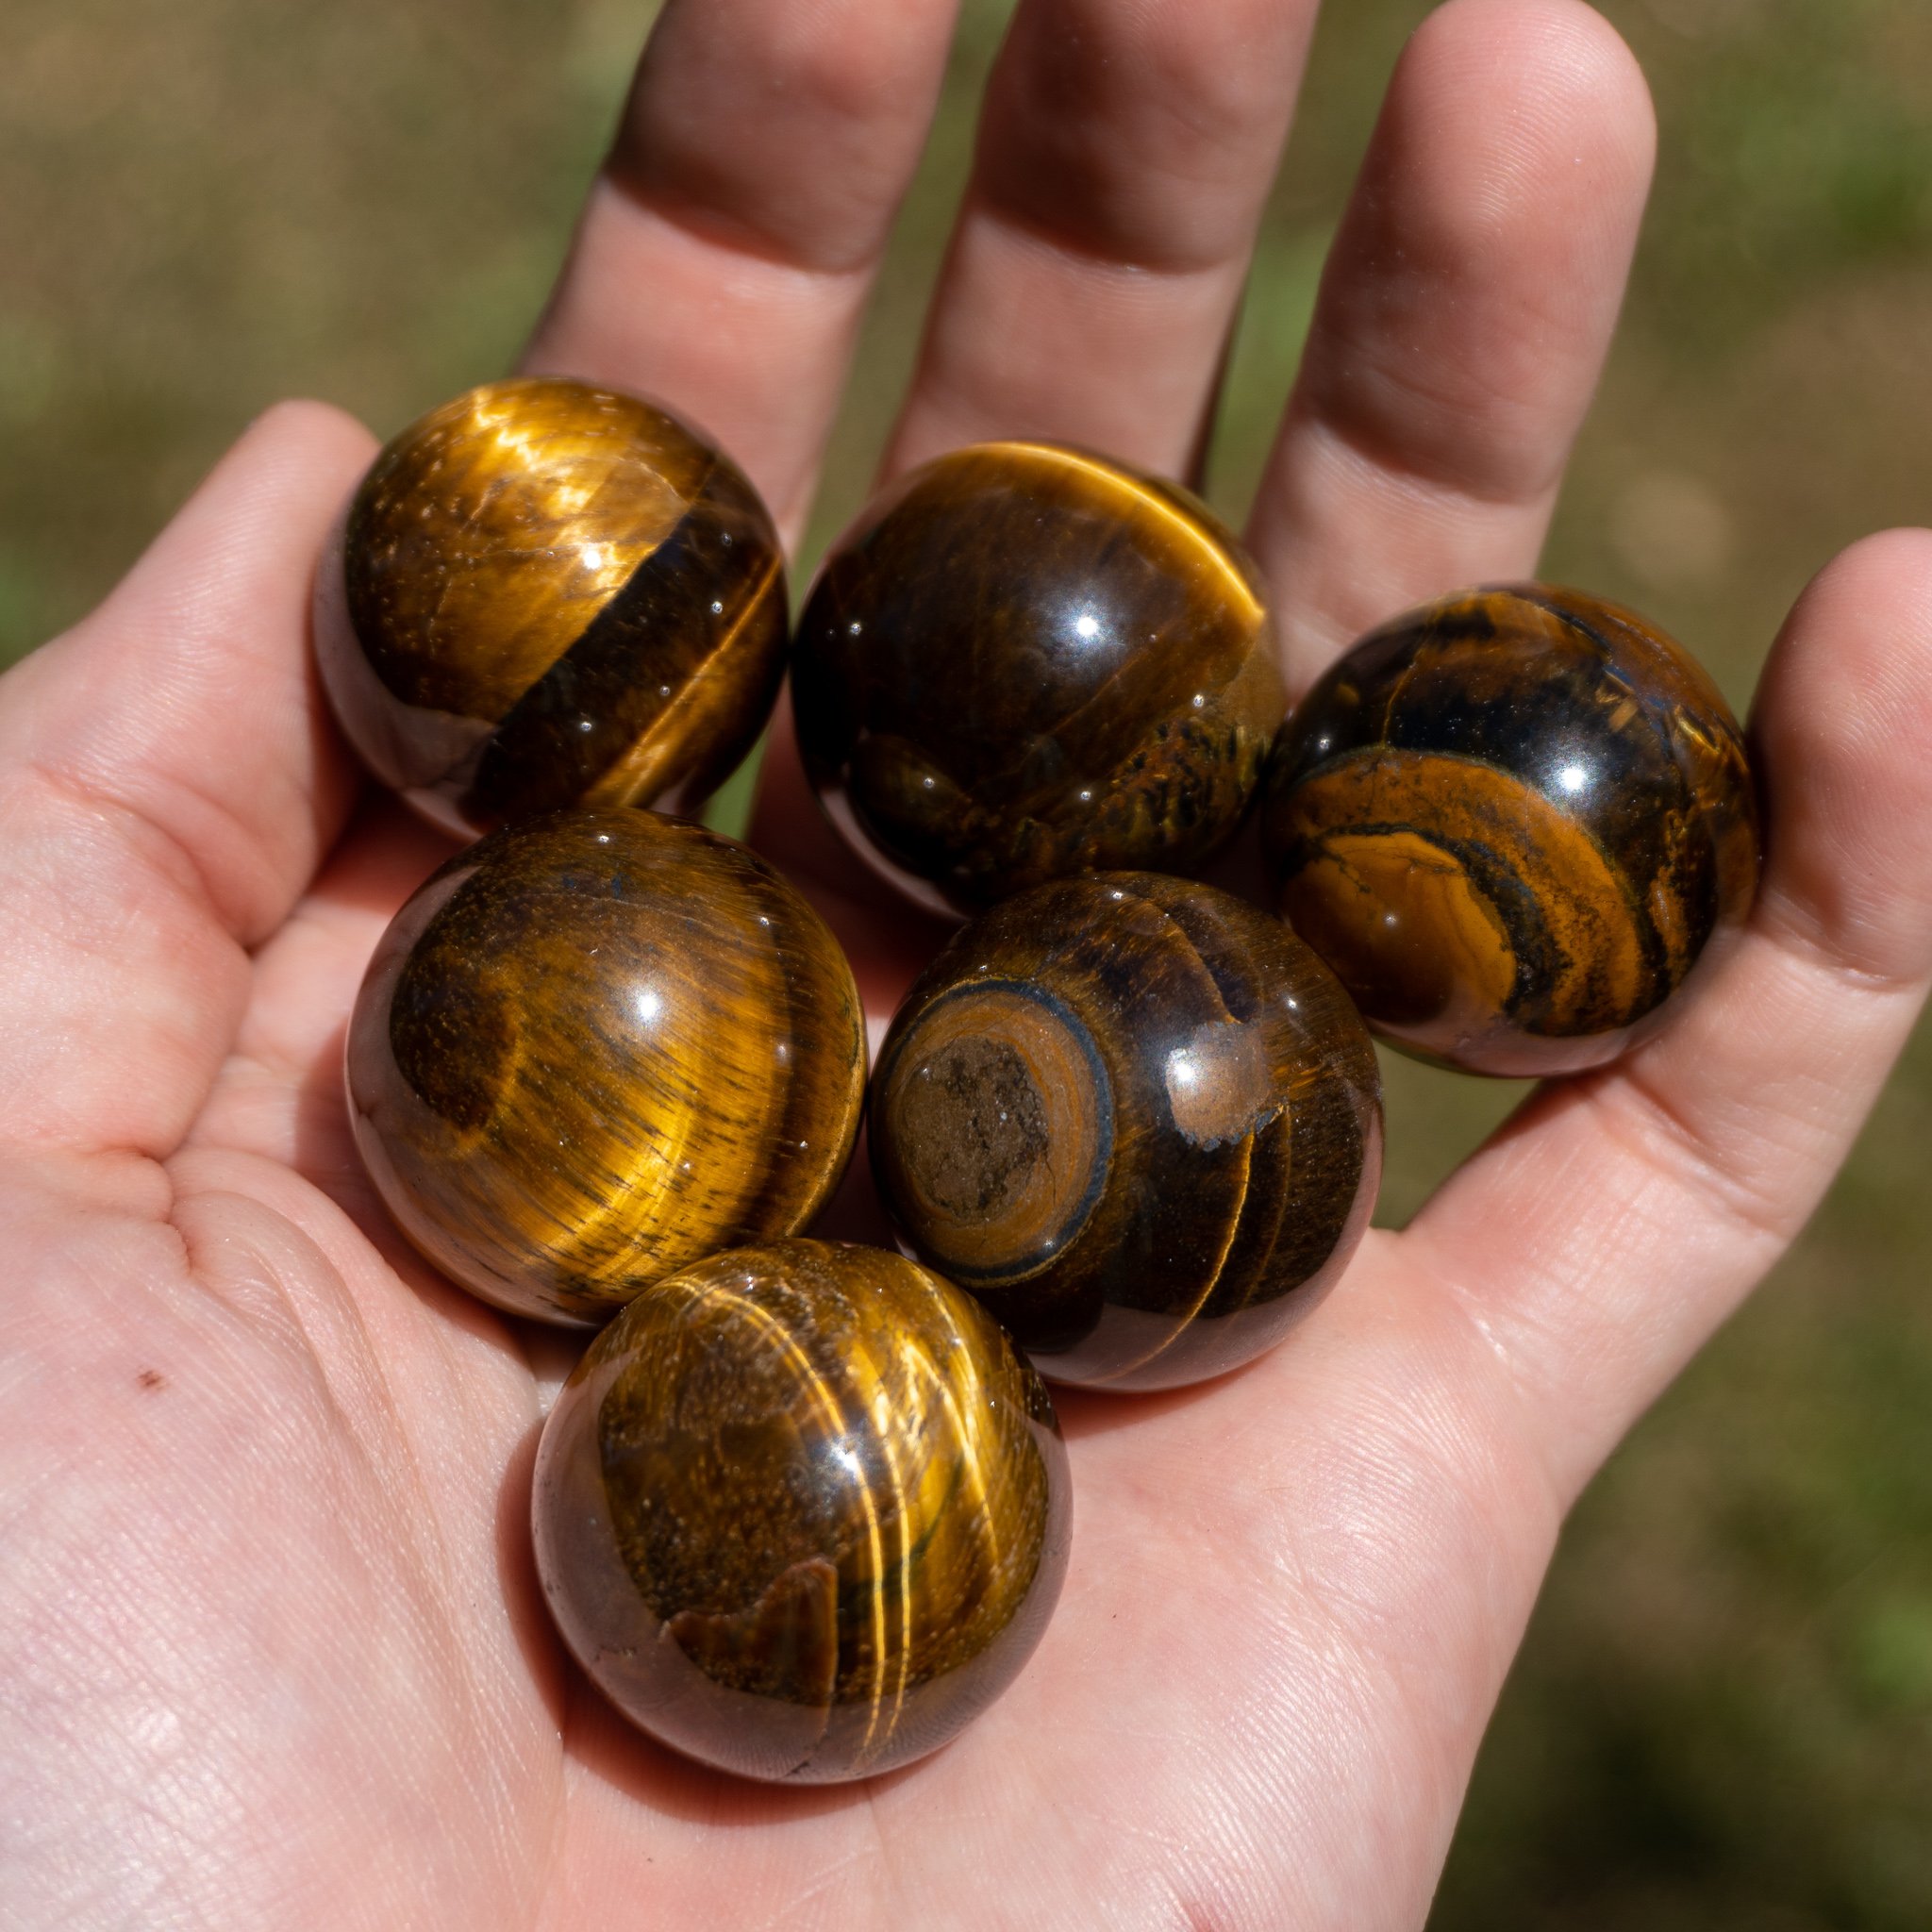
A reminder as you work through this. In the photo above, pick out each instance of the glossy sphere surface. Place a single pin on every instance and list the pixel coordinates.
(546, 595)
(1023, 662)
(595, 1047)
(802, 1512)
(1138, 1119)
(1512, 821)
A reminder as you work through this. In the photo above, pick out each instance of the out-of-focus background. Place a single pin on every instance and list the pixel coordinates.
(1723, 1716)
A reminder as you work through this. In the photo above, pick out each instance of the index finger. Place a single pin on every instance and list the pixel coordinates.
(722, 260)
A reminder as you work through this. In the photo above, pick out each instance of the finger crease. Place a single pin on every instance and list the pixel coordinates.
(1657, 1131)
(1517, 1388)
(1384, 459)
(190, 873)
(1067, 243)
(706, 223)
(1781, 921)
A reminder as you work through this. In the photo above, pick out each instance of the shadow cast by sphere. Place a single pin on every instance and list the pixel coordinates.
(652, 1774)
(324, 1153)
(1093, 1412)
(537, 1641)
(323, 1145)
(1101, 1411)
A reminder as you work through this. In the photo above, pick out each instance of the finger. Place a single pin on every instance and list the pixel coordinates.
(168, 781)
(1125, 155)
(1463, 320)
(724, 258)
(1642, 1204)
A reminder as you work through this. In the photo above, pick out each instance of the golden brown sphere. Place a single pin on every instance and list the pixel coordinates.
(1513, 822)
(595, 1047)
(802, 1512)
(1138, 1119)
(545, 594)
(1024, 661)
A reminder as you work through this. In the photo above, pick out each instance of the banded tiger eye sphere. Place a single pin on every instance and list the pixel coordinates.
(802, 1512)
(1138, 1119)
(595, 1047)
(546, 595)
(1023, 662)
(1513, 822)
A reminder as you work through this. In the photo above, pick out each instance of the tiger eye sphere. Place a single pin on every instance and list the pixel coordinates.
(595, 1047)
(1138, 1119)
(1024, 661)
(546, 595)
(1513, 822)
(802, 1512)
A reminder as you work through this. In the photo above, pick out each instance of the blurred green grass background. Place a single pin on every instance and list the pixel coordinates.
(1724, 1715)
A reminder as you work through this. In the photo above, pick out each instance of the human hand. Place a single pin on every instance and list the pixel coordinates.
(270, 1643)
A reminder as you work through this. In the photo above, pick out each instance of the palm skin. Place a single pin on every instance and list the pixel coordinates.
(272, 1644)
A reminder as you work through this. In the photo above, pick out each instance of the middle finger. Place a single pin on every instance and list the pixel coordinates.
(1125, 151)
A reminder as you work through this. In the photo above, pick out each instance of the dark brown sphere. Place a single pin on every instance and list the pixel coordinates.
(802, 1512)
(546, 595)
(595, 1047)
(1138, 1119)
(1513, 822)
(1023, 662)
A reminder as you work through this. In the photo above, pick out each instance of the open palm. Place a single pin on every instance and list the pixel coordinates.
(272, 1651)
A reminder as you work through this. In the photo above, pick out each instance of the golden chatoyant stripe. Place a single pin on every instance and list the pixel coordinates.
(1190, 534)
(1181, 1317)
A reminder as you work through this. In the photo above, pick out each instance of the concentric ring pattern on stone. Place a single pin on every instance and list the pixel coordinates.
(545, 594)
(802, 1512)
(1513, 822)
(595, 1047)
(1023, 662)
(1138, 1118)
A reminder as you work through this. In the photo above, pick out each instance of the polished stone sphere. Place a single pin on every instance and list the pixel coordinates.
(1513, 822)
(802, 1512)
(1024, 661)
(543, 595)
(596, 1047)
(1138, 1119)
